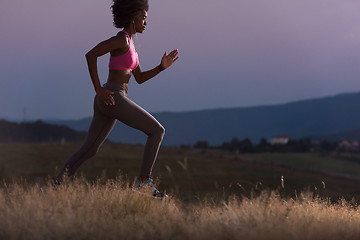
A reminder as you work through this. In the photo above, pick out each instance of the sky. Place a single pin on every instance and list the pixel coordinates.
(233, 53)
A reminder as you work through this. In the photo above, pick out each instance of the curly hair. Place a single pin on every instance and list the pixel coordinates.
(124, 11)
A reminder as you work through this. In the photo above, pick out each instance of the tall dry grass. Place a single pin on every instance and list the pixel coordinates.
(111, 210)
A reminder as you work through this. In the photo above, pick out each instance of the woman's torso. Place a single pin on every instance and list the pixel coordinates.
(119, 76)
(123, 75)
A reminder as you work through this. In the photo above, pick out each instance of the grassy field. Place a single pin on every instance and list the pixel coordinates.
(110, 210)
(190, 174)
(213, 194)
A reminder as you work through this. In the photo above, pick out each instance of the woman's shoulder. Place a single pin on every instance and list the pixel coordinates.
(119, 39)
(122, 37)
(121, 34)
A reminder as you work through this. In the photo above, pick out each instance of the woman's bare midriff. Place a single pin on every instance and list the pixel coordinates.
(119, 76)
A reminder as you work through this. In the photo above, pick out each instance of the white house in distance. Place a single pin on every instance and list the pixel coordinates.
(279, 140)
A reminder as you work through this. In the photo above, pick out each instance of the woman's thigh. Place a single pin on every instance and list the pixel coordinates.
(130, 114)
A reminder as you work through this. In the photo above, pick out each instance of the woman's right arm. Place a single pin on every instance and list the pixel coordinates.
(91, 58)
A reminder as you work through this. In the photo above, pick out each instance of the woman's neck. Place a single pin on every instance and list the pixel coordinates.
(130, 30)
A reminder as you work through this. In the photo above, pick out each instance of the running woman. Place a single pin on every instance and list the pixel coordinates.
(111, 102)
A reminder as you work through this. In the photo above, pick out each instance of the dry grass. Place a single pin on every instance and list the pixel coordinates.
(111, 210)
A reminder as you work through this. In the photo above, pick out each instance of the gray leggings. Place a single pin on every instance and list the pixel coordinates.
(104, 120)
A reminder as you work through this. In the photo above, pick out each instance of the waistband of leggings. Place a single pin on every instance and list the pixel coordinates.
(114, 86)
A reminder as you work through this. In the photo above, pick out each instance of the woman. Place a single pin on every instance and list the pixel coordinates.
(111, 102)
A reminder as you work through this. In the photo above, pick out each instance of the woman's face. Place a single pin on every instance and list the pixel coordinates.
(140, 22)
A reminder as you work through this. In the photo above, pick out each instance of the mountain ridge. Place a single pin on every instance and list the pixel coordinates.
(309, 117)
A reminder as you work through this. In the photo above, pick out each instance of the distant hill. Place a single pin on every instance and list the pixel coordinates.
(37, 132)
(313, 117)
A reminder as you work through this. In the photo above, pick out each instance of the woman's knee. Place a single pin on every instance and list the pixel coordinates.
(158, 131)
(162, 130)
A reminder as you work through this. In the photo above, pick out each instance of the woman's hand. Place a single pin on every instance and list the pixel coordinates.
(168, 60)
(105, 95)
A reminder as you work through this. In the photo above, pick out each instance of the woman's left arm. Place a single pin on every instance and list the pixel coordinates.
(166, 61)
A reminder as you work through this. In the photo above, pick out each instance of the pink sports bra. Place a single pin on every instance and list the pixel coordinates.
(127, 61)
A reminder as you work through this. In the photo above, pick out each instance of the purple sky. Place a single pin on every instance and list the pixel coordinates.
(232, 53)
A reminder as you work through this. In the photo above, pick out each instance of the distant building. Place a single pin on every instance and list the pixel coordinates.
(348, 145)
(280, 140)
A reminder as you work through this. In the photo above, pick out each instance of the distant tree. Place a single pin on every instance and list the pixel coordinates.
(304, 145)
(233, 145)
(184, 146)
(201, 144)
(263, 146)
(246, 146)
(326, 146)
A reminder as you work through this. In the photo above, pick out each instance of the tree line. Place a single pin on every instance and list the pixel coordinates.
(293, 145)
(42, 132)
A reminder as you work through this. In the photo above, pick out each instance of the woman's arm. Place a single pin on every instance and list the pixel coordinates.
(166, 61)
(91, 58)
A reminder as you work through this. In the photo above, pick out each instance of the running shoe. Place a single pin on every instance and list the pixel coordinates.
(148, 187)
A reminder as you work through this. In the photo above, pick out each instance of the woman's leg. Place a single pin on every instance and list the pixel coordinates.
(136, 117)
(100, 128)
